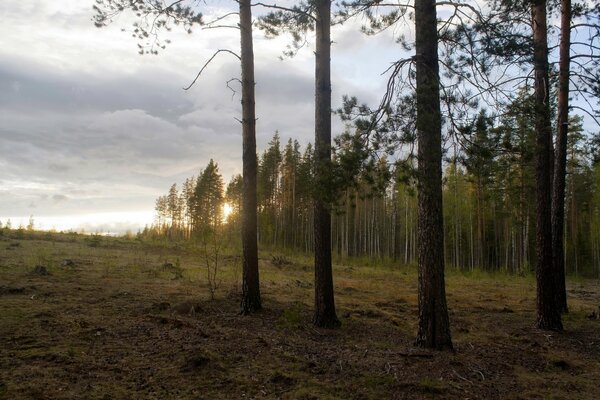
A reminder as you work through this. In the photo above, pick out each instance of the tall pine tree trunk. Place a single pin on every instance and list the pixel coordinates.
(548, 314)
(325, 316)
(250, 280)
(434, 325)
(560, 158)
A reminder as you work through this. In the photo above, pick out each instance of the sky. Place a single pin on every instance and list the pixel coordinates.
(91, 133)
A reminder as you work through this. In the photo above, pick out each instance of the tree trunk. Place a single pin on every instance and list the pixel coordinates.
(434, 325)
(560, 158)
(548, 314)
(325, 316)
(250, 280)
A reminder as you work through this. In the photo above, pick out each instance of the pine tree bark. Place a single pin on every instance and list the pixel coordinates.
(250, 279)
(560, 157)
(548, 314)
(325, 316)
(434, 325)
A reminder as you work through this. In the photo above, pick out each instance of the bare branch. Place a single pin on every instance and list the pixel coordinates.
(588, 113)
(222, 17)
(585, 56)
(234, 92)
(290, 10)
(220, 26)
(208, 62)
(459, 5)
(583, 25)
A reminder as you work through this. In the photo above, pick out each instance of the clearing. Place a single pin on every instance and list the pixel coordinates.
(114, 318)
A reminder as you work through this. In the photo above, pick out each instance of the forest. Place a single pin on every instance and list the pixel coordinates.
(488, 212)
(445, 243)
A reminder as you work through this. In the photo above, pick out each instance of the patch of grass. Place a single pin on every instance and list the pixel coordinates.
(200, 360)
(311, 390)
(377, 382)
(93, 240)
(293, 317)
(281, 379)
(433, 386)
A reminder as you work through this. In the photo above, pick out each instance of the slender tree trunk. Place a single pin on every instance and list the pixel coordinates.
(574, 213)
(434, 325)
(526, 242)
(548, 314)
(250, 280)
(325, 315)
(406, 235)
(471, 236)
(560, 157)
(480, 229)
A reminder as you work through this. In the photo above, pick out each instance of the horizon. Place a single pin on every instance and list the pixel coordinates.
(109, 223)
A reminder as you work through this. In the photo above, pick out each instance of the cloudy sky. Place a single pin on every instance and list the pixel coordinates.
(91, 132)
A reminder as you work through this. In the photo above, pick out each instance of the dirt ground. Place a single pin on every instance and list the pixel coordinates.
(110, 318)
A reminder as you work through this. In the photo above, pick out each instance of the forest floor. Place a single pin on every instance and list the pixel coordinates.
(119, 319)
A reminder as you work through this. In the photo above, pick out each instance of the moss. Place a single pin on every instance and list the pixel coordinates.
(292, 318)
(312, 391)
(377, 381)
(281, 379)
(433, 386)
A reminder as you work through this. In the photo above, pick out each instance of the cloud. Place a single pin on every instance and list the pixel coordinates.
(43, 88)
(60, 198)
(90, 126)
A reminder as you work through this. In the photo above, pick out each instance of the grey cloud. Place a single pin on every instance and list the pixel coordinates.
(58, 198)
(25, 87)
(112, 134)
(280, 81)
(58, 167)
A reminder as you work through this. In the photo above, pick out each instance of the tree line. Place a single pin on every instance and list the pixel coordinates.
(487, 191)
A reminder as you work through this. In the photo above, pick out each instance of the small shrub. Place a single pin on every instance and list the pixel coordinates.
(175, 269)
(93, 240)
(280, 261)
(41, 270)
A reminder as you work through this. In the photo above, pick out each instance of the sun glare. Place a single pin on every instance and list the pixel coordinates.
(227, 210)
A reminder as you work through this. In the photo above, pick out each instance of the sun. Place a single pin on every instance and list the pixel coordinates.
(227, 210)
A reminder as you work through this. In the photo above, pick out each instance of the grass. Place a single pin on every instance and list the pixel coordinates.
(133, 320)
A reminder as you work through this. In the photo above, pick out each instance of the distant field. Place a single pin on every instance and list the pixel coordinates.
(112, 318)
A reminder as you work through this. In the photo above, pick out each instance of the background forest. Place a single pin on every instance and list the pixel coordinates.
(488, 188)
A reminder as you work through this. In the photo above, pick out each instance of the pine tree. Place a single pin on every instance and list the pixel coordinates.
(208, 200)
(479, 161)
(268, 191)
(250, 278)
(560, 156)
(434, 325)
(548, 312)
(297, 20)
(288, 210)
(173, 210)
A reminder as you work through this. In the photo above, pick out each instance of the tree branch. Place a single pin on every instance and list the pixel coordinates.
(208, 62)
(290, 10)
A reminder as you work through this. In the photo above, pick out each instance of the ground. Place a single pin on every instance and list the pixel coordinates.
(114, 318)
